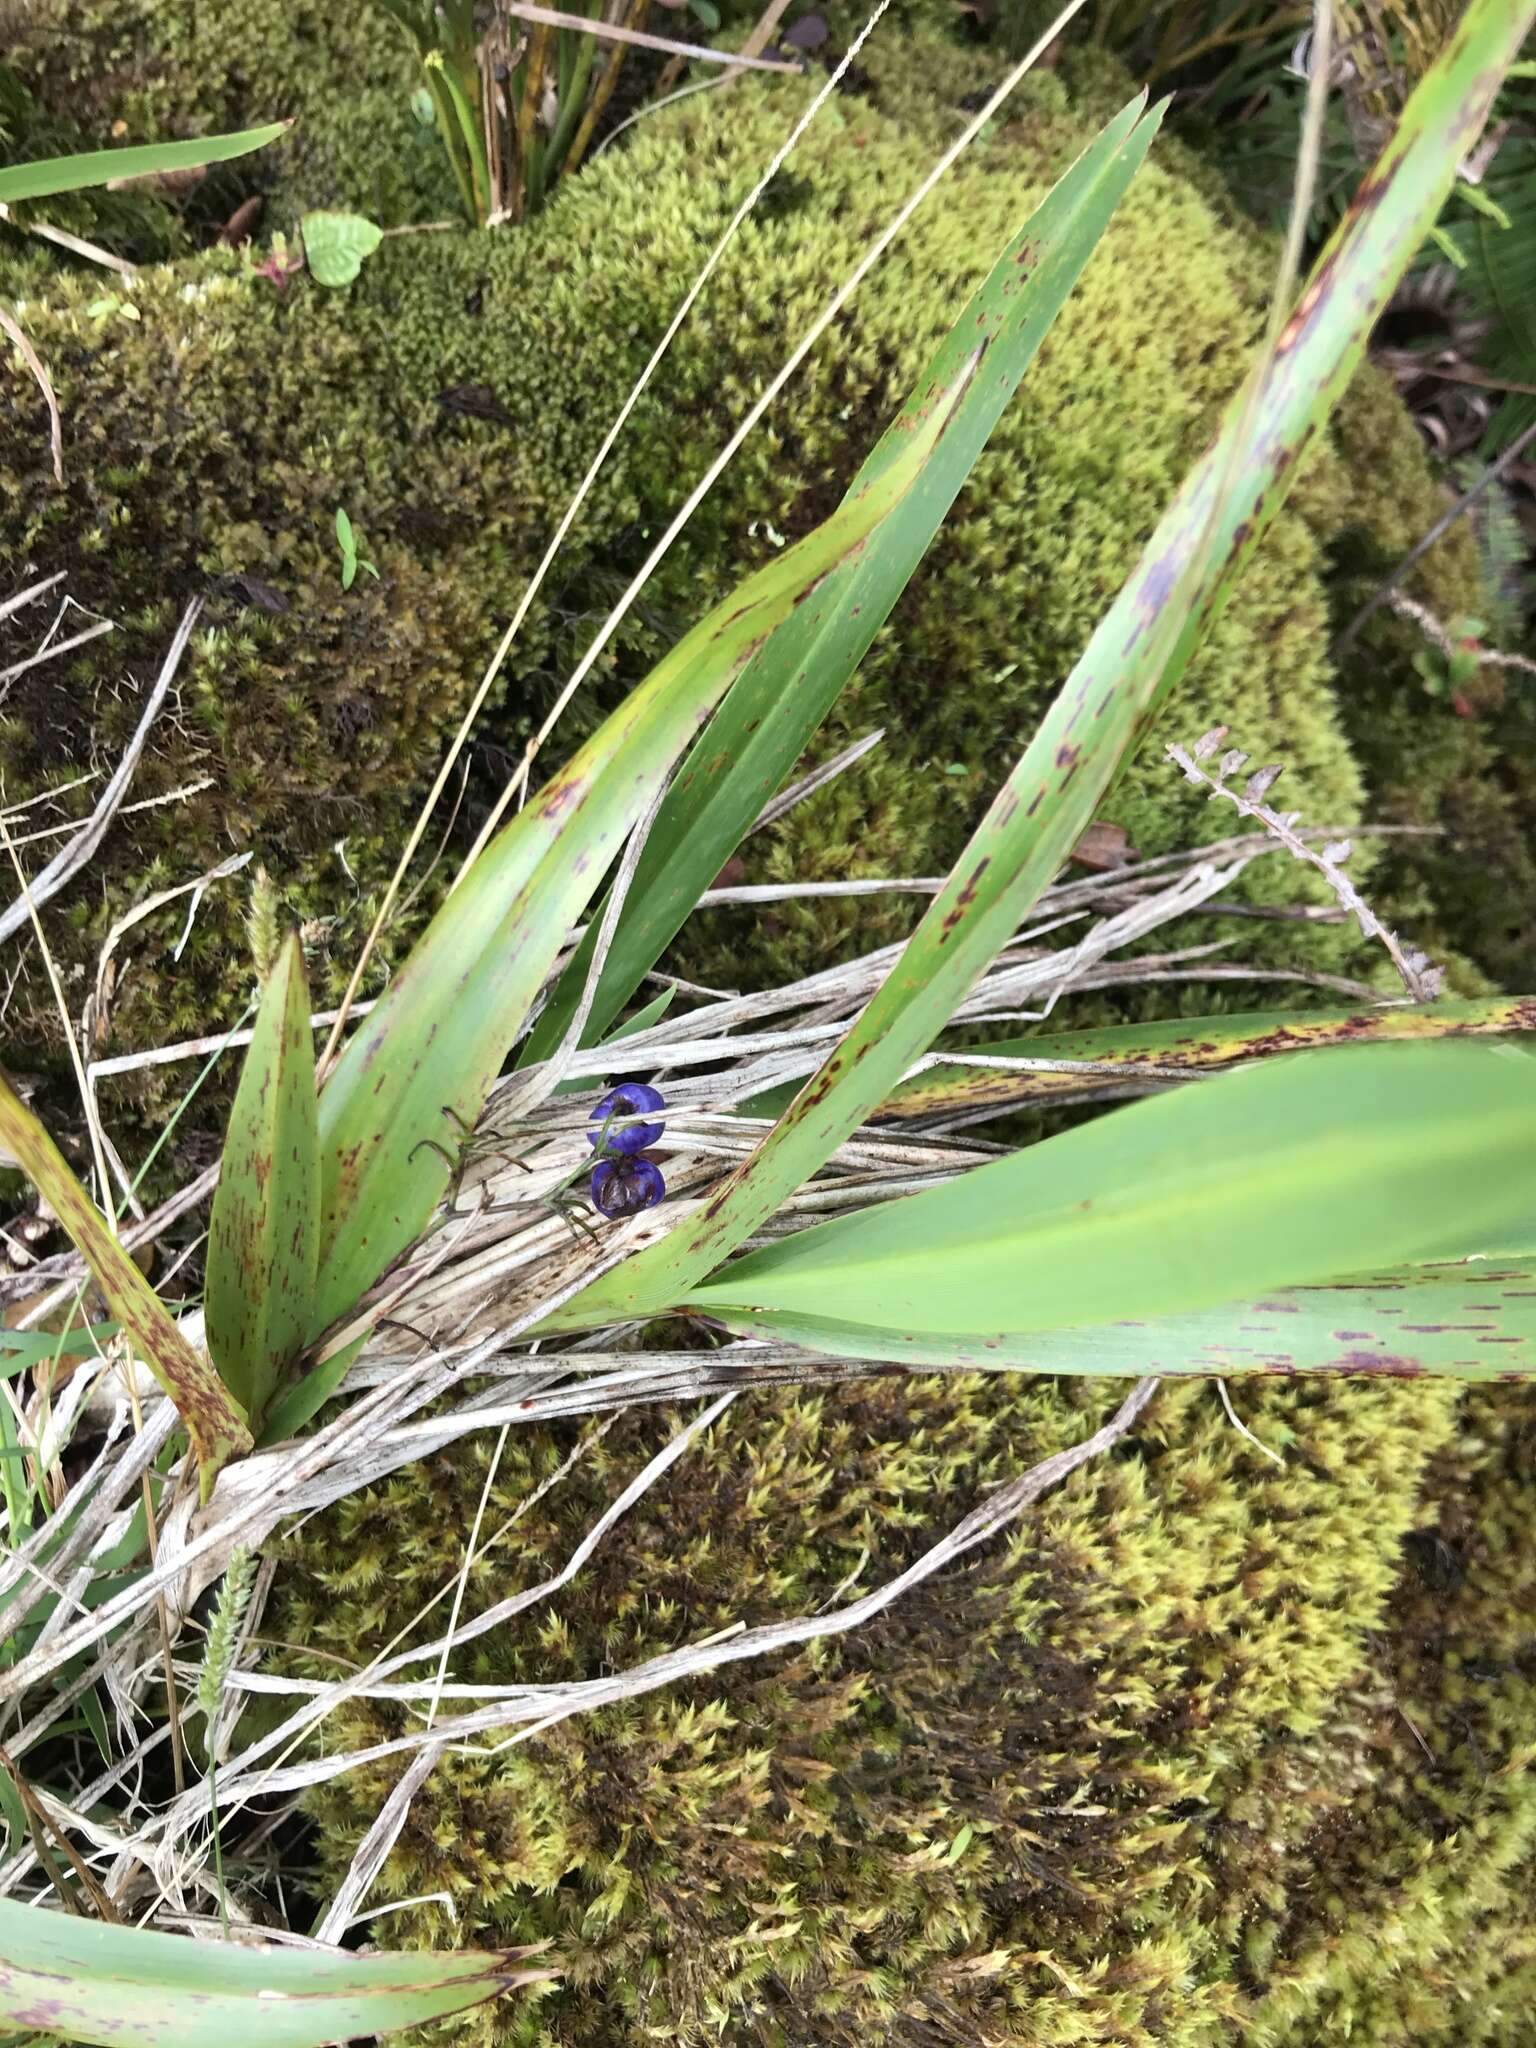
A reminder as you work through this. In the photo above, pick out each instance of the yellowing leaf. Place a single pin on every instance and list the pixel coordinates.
(214, 1420)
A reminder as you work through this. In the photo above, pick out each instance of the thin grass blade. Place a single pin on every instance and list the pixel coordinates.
(1137, 652)
(264, 1236)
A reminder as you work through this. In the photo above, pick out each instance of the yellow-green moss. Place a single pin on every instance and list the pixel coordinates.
(1145, 1775)
(1413, 1922)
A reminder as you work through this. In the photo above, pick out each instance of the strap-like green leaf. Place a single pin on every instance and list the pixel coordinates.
(21, 1350)
(264, 1237)
(52, 174)
(1472, 1322)
(787, 689)
(213, 1418)
(415, 1075)
(1141, 647)
(1278, 1175)
(82, 1981)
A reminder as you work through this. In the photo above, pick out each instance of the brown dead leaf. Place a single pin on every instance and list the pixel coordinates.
(1104, 847)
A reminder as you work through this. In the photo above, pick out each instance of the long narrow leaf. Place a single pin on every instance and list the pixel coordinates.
(264, 1235)
(1274, 1176)
(213, 1418)
(1473, 1322)
(1136, 654)
(415, 1075)
(1189, 1045)
(86, 1982)
(21, 1350)
(52, 174)
(786, 691)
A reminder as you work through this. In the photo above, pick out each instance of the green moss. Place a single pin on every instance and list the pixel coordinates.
(1423, 1791)
(1149, 1773)
(209, 442)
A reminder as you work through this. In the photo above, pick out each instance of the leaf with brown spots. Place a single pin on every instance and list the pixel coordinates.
(115, 1986)
(1468, 1322)
(264, 1237)
(1276, 1176)
(213, 1418)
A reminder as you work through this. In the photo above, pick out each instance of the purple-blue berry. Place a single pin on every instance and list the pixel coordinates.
(624, 1186)
(632, 1098)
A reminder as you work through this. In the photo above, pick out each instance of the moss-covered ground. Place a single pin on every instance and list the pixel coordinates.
(1212, 1749)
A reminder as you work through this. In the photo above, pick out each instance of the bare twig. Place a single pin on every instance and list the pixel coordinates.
(667, 99)
(1420, 976)
(535, 1708)
(34, 363)
(373, 1850)
(777, 807)
(77, 245)
(198, 1048)
(1433, 629)
(611, 31)
(763, 30)
(602, 91)
(64, 1274)
(94, 1021)
(145, 803)
(1420, 548)
(1242, 1428)
(52, 649)
(15, 602)
(29, 909)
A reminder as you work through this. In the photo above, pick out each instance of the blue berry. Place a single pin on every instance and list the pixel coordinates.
(626, 1185)
(633, 1098)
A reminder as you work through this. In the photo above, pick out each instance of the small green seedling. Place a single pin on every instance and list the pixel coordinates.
(351, 560)
(336, 245)
(1447, 672)
(111, 306)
